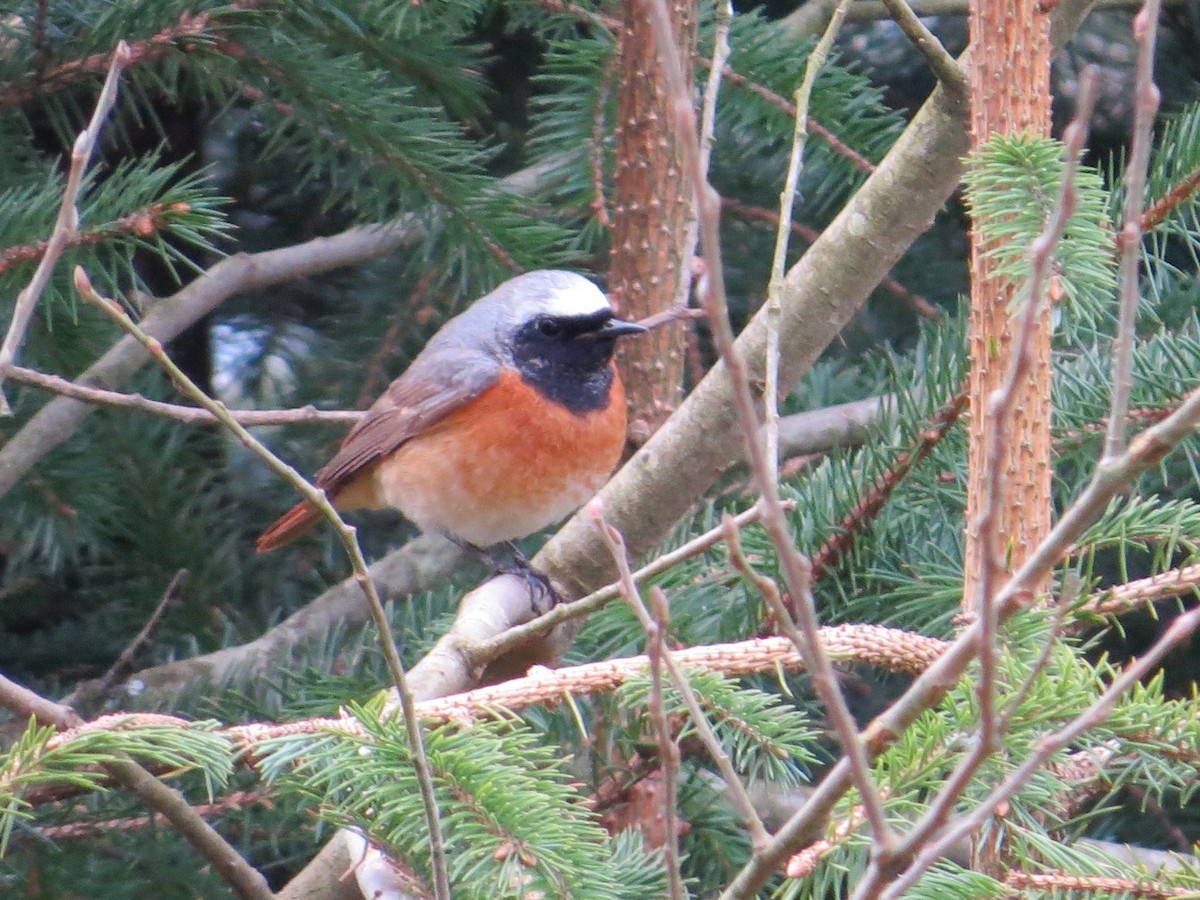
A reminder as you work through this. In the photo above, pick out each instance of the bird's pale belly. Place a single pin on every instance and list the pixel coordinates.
(506, 465)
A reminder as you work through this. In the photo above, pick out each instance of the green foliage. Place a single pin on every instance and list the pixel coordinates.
(512, 822)
(1013, 191)
(34, 760)
(765, 739)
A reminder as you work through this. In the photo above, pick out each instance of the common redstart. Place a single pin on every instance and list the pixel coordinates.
(509, 419)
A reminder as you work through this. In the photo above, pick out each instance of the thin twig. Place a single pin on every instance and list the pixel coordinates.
(674, 314)
(125, 661)
(1046, 748)
(67, 224)
(349, 541)
(795, 567)
(668, 750)
(189, 415)
(1145, 105)
(787, 200)
(723, 18)
(838, 543)
(944, 66)
(737, 790)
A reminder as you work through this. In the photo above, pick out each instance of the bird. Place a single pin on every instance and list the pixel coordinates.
(509, 419)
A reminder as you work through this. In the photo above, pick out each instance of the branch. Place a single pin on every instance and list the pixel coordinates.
(787, 198)
(189, 415)
(944, 66)
(1145, 105)
(124, 663)
(668, 750)
(67, 224)
(892, 649)
(318, 500)
(796, 569)
(704, 731)
(1049, 745)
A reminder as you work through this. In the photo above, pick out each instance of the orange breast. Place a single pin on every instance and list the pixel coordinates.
(507, 464)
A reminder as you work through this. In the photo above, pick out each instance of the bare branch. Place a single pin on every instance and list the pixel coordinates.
(189, 415)
(124, 663)
(1179, 630)
(349, 541)
(1145, 105)
(795, 567)
(616, 546)
(668, 750)
(944, 66)
(787, 199)
(67, 224)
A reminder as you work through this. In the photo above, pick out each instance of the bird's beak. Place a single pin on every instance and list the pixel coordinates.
(615, 328)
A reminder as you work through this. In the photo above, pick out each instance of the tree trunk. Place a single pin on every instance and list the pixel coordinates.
(652, 199)
(1009, 77)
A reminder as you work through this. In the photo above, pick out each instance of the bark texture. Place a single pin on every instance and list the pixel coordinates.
(1010, 78)
(651, 217)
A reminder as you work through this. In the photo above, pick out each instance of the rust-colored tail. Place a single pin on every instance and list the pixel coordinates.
(296, 522)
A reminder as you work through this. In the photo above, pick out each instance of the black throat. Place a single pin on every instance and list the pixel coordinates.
(567, 360)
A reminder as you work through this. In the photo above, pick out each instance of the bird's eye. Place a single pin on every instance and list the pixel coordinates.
(549, 327)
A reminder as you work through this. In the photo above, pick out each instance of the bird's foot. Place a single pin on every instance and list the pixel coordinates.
(542, 593)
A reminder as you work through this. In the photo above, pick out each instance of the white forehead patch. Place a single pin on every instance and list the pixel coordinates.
(572, 295)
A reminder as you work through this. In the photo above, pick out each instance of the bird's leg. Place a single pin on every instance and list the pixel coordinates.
(541, 590)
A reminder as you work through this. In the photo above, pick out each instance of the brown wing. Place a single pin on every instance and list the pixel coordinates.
(433, 387)
(444, 377)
